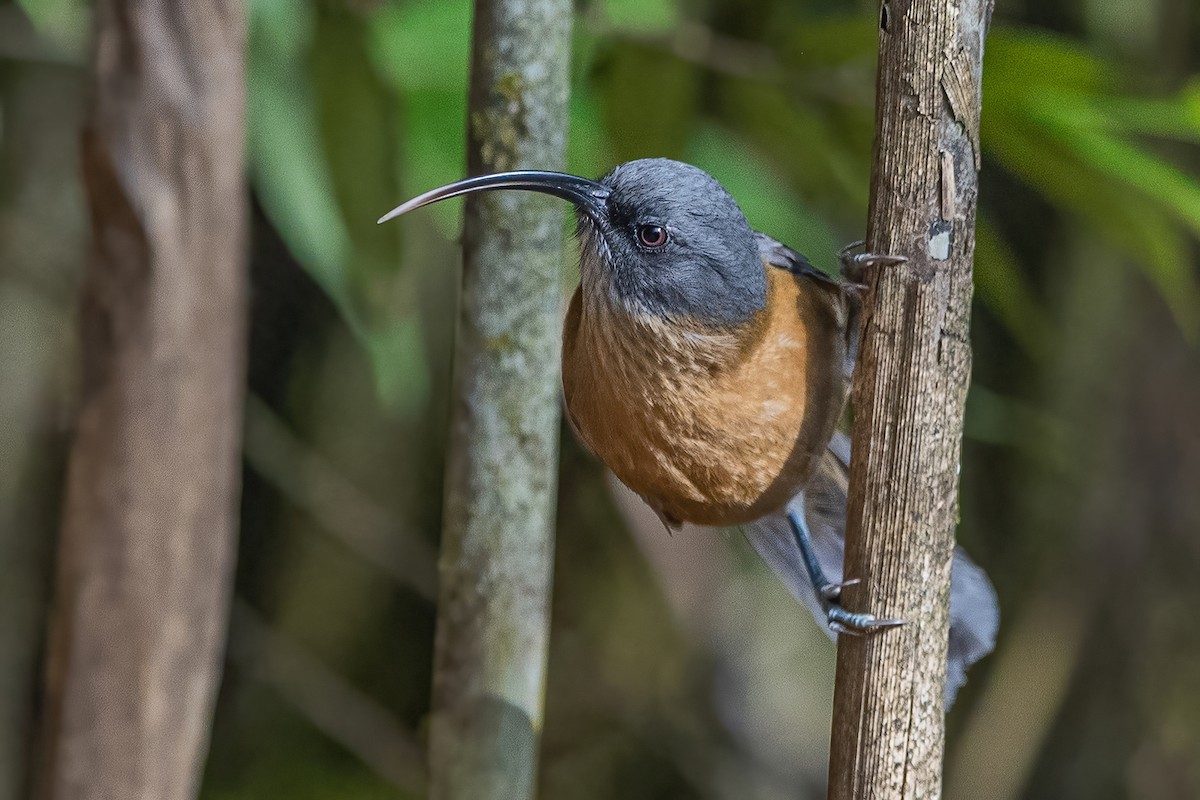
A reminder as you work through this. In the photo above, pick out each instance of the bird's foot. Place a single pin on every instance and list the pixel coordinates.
(855, 264)
(833, 591)
(842, 621)
(829, 593)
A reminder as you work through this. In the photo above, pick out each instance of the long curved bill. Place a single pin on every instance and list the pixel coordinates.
(587, 195)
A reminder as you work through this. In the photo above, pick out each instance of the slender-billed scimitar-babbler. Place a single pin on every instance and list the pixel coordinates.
(707, 365)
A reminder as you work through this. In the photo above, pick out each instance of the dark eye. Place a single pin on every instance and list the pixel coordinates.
(652, 235)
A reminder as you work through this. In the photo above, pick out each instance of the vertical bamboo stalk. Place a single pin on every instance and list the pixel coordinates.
(909, 391)
(497, 546)
(148, 531)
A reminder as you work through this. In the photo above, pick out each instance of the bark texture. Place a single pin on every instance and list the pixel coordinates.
(497, 545)
(909, 391)
(148, 531)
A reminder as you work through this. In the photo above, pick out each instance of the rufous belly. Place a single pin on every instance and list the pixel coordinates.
(713, 427)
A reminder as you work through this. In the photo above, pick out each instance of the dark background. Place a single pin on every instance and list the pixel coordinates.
(678, 667)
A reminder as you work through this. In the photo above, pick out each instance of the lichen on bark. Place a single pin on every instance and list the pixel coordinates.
(495, 567)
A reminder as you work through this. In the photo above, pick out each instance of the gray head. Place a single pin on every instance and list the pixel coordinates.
(658, 237)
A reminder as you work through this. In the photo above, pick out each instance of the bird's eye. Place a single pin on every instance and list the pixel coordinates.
(652, 235)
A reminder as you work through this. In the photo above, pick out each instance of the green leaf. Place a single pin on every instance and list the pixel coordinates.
(356, 112)
(283, 28)
(1169, 118)
(422, 45)
(322, 158)
(284, 148)
(1127, 163)
(63, 23)
(1136, 224)
(1053, 116)
(589, 153)
(1023, 63)
(1000, 285)
(434, 152)
(641, 16)
(359, 130)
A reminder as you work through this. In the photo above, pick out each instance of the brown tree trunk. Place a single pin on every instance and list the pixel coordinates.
(148, 531)
(501, 476)
(909, 390)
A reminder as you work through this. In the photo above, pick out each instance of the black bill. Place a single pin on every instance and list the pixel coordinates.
(587, 195)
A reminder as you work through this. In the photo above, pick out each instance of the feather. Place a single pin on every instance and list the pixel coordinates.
(974, 612)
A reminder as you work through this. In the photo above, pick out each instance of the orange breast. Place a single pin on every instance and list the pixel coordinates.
(710, 427)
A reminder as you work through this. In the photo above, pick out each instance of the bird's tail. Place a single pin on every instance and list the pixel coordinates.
(974, 613)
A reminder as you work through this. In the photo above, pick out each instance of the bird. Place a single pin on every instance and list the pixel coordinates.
(707, 365)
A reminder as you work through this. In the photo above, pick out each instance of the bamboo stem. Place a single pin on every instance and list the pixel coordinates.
(501, 480)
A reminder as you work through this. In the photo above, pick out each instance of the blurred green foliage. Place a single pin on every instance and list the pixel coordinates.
(1083, 443)
(352, 111)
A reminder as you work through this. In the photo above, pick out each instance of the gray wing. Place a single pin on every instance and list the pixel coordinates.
(778, 254)
(974, 613)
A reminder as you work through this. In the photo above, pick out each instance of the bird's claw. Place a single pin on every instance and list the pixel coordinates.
(856, 624)
(828, 592)
(833, 591)
(849, 249)
(854, 264)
